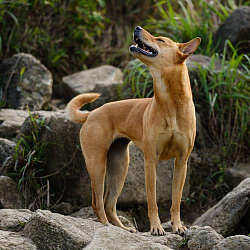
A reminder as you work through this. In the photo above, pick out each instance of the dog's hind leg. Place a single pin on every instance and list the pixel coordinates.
(97, 170)
(117, 168)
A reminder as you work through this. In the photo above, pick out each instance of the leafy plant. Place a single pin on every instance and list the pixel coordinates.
(185, 20)
(223, 97)
(59, 33)
(28, 166)
(138, 83)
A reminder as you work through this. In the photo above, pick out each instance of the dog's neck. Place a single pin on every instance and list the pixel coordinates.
(172, 86)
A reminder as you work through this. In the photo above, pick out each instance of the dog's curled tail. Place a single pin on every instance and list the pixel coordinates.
(73, 108)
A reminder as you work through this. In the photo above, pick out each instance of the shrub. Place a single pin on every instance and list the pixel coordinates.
(59, 33)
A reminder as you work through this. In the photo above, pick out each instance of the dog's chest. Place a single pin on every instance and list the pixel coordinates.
(173, 143)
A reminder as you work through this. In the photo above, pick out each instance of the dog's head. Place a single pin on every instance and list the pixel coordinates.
(156, 51)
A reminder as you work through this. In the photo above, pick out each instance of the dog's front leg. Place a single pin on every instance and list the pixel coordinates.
(179, 177)
(150, 180)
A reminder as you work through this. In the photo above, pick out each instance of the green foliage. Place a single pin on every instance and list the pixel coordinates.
(29, 162)
(192, 19)
(138, 82)
(59, 33)
(223, 98)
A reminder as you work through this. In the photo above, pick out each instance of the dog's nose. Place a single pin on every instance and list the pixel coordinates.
(137, 28)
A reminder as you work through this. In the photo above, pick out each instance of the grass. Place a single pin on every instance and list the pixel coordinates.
(28, 162)
(184, 20)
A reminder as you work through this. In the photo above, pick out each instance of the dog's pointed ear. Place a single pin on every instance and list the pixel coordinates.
(187, 49)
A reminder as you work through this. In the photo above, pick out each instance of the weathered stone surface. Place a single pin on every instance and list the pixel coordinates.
(234, 175)
(14, 219)
(202, 238)
(14, 241)
(241, 242)
(70, 164)
(9, 194)
(111, 238)
(236, 29)
(103, 79)
(11, 121)
(25, 81)
(227, 213)
(7, 149)
(173, 241)
(63, 208)
(126, 218)
(54, 231)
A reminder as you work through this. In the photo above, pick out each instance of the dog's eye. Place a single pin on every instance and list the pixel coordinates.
(160, 40)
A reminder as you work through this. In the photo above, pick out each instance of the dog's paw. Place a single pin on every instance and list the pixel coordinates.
(178, 229)
(130, 229)
(157, 230)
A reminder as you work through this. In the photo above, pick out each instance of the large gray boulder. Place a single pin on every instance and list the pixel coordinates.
(112, 238)
(68, 171)
(103, 79)
(54, 231)
(202, 238)
(25, 81)
(236, 28)
(241, 242)
(14, 241)
(228, 212)
(10, 196)
(14, 219)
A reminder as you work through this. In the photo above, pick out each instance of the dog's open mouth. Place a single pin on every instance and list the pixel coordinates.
(142, 48)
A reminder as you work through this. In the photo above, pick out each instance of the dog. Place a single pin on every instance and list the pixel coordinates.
(163, 127)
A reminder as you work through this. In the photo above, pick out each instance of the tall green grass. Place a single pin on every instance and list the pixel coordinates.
(183, 20)
(28, 163)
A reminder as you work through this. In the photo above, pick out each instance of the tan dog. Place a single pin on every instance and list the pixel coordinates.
(163, 127)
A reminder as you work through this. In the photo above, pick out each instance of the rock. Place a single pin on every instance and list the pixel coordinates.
(25, 81)
(241, 242)
(14, 219)
(7, 148)
(11, 121)
(173, 241)
(234, 175)
(14, 241)
(10, 196)
(236, 28)
(103, 79)
(111, 238)
(202, 238)
(88, 213)
(72, 174)
(195, 61)
(228, 212)
(54, 231)
(63, 208)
